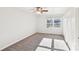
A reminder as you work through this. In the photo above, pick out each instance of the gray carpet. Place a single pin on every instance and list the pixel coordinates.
(32, 42)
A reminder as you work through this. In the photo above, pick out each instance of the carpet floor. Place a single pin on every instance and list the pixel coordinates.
(31, 43)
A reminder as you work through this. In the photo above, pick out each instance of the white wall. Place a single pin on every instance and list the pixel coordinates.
(69, 27)
(42, 27)
(15, 24)
(77, 28)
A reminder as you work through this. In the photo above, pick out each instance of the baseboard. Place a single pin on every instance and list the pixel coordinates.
(16, 41)
(50, 33)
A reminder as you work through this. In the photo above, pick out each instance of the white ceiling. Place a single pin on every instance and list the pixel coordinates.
(54, 11)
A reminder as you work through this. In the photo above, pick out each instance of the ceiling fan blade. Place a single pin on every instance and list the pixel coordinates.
(44, 10)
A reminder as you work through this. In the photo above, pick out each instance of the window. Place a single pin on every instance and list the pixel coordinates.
(57, 22)
(53, 22)
(49, 23)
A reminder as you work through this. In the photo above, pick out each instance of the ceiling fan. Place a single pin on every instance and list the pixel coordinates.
(40, 10)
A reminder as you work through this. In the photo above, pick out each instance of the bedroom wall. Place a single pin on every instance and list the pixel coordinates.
(15, 25)
(77, 29)
(42, 26)
(69, 27)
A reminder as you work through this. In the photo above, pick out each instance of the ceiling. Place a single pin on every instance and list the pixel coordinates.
(54, 11)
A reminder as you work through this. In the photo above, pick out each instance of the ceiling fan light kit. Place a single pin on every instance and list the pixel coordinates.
(40, 10)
